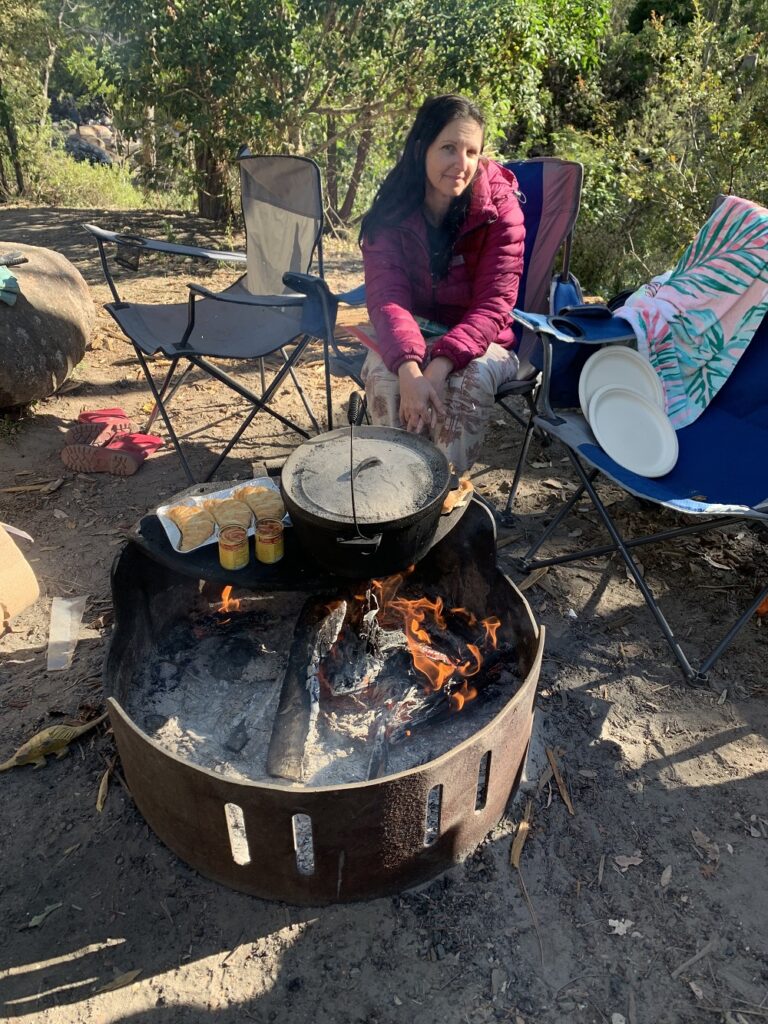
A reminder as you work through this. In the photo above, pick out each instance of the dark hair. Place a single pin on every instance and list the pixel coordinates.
(404, 188)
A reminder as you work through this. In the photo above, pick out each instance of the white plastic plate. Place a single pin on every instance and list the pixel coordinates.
(633, 431)
(619, 367)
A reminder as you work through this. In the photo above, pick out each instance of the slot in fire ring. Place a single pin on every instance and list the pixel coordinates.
(320, 845)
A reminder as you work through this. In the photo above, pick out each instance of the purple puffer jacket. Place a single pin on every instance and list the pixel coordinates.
(473, 299)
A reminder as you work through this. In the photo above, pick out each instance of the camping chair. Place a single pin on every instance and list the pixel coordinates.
(552, 191)
(719, 477)
(257, 316)
(550, 195)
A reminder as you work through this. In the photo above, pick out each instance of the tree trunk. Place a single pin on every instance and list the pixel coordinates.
(149, 142)
(213, 199)
(332, 162)
(363, 148)
(5, 190)
(6, 121)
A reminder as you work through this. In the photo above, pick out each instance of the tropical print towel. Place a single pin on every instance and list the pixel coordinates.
(694, 322)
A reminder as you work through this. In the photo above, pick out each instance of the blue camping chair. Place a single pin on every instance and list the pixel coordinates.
(719, 477)
(550, 196)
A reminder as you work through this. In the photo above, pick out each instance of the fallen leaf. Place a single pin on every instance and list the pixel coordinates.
(38, 919)
(620, 927)
(723, 697)
(697, 990)
(716, 565)
(624, 862)
(666, 876)
(101, 796)
(588, 773)
(522, 834)
(119, 982)
(618, 1018)
(705, 845)
(708, 870)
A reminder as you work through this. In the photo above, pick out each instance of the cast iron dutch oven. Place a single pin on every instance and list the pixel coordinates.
(365, 501)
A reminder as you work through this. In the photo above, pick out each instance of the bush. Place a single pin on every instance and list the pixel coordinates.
(58, 180)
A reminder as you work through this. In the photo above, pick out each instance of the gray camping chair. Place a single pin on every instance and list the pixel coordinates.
(257, 316)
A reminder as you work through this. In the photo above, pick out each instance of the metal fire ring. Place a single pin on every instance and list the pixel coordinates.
(368, 839)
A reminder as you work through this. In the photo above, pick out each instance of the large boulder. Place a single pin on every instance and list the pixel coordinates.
(44, 335)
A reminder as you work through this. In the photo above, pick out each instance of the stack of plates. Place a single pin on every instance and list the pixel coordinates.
(623, 402)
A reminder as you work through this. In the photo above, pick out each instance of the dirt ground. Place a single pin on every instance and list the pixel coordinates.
(664, 857)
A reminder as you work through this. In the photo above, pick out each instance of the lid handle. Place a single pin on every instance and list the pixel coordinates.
(355, 409)
(362, 545)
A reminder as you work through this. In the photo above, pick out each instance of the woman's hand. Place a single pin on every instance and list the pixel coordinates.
(419, 399)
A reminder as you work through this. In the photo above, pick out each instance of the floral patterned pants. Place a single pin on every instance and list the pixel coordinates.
(469, 398)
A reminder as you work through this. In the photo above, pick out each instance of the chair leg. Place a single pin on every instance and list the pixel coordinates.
(691, 675)
(527, 561)
(687, 669)
(160, 404)
(328, 391)
(302, 395)
(147, 427)
(521, 461)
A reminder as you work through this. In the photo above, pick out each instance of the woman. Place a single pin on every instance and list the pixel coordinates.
(443, 240)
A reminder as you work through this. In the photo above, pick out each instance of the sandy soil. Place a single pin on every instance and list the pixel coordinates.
(664, 857)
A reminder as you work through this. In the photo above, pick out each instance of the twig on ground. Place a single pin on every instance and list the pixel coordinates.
(566, 798)
(706, 949)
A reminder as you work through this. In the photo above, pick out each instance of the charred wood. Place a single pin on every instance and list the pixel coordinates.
(317, 628)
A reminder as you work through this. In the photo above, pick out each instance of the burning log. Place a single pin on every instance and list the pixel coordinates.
(317, 629)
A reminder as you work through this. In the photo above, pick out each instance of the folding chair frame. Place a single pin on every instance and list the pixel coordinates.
(547, 420)
(163, 390)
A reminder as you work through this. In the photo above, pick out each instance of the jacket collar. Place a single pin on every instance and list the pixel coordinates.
(481, 207)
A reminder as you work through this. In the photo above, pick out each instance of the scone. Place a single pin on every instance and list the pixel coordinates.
(264, 502)
(229, 512)
(195, 524)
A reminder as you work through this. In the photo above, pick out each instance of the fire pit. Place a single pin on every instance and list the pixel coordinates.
(446, 656)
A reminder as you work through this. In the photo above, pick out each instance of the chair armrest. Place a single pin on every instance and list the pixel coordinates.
(307, 284)
(580, 328)
(355, 297)
(244, 298)
(169, 248)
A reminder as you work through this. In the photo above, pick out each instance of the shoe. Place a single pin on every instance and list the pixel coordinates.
(91, 415)
(97, 432)
(98, 426)
(121, 456)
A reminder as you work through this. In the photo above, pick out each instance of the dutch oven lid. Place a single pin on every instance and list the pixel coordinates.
(397, 475)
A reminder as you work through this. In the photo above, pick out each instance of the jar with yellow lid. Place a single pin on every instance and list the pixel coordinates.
(269, 541)
(234, 551)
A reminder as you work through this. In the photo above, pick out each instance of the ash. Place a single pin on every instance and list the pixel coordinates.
(211, 695)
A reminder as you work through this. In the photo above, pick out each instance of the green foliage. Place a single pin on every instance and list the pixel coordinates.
(58, 180)
(659, 152)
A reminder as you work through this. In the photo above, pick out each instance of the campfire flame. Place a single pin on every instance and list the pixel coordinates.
(228, 603)
(420, 616)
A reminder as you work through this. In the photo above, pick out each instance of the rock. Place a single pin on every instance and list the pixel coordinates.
(237, 738)
(43, 336)
(81, 149)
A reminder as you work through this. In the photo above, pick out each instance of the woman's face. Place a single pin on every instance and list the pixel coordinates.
(451, 160)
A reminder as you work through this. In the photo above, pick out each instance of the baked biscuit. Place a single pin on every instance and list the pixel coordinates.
(195, 524)
(264, 502)
(229, 512)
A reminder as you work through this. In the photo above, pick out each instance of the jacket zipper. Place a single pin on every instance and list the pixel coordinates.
(476, 227)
